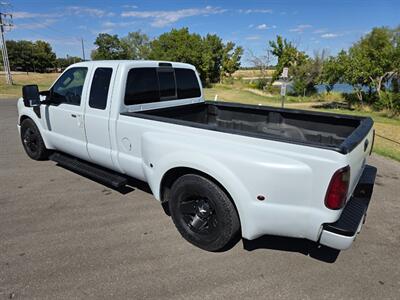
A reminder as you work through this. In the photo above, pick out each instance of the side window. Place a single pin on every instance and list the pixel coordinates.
(68, 88)
(99, 89)
(142, 86)
(187, 83)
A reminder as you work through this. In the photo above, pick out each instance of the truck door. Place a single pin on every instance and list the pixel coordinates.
(64, 117)
(97, 116)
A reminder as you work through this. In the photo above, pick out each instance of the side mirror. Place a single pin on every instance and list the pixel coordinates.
(30, 94)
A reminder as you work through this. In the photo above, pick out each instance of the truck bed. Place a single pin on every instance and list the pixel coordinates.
(336, 132)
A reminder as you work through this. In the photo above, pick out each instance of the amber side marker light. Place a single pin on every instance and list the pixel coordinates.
(337, 190)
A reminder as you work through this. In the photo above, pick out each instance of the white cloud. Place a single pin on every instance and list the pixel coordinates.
(319, 31)
(35, 25)
(70, 10)
(265, 26)
(129, 6)
(163, 18)
(110, 25)
(252, 11)
(93, 12)
(253, 37)
(300, 28)
(329, 35)
(101, 30)
(29, 15)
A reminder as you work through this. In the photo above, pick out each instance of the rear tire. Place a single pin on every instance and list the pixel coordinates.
(203, 213)
(32, 141)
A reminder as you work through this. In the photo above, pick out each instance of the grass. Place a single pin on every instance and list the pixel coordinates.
(387, 139)
(21, 78)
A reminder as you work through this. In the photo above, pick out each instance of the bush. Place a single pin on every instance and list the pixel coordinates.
(273, 89)
(261, 83)
(228, 80)
(302, 88)
(389, 101)
(368, 98)
(351, 99)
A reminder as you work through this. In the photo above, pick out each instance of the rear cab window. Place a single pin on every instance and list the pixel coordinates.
(147, 85)
(99, 89)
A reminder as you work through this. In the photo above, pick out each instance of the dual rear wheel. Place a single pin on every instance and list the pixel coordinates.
(203, 213)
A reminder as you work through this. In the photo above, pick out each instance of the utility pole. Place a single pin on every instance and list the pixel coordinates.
(83, 49)
(5, 23)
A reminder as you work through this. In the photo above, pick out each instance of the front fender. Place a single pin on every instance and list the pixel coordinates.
(24, 112)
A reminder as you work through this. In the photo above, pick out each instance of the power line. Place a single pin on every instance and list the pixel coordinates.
(48, 26)
(79, 41)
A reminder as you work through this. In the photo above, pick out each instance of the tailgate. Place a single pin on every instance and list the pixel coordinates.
(357, 157)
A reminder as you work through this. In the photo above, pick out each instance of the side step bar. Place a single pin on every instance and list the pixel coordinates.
(102, 175)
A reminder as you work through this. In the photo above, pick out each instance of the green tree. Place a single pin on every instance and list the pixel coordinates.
(137, 45)
(109, 47)
(20, 54)
(64, 62)
(377, 51)
(178, 45)
(307, 74)
(212, 51)
(354, 71)
(208, 54)
(332, 73)
(30, 56)
(287, 54)
(43, 56)
(230, 61)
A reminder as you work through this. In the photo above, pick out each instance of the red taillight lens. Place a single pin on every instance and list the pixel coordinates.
(338, 187)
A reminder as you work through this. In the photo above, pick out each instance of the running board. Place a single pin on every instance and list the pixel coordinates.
(102, 175)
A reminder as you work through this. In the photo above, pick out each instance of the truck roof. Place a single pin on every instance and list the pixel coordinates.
(133, 63)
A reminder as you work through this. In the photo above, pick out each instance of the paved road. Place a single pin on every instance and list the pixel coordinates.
(64, 237)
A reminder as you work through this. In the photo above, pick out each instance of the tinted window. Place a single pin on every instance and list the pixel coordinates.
(142, 86)
(99, 89)
(188, 85)
(145, 85)
(68, 88)
(166, 79)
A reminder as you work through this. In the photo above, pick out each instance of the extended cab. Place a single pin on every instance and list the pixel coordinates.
(222, 169)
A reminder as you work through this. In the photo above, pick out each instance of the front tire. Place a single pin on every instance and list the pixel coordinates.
(32, 141)
(203, 213)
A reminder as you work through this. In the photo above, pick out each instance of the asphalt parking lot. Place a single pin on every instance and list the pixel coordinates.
(63, 236)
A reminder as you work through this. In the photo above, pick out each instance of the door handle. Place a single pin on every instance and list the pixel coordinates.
(73, 115)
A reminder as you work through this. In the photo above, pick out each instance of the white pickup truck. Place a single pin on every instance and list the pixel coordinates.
(222, 169)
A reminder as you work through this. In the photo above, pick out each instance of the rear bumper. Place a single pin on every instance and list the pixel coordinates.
(341, 234)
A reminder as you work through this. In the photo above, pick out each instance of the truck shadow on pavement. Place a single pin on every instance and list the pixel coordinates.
(303, 246)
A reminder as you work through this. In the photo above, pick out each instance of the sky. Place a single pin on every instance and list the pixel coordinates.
(311, 25)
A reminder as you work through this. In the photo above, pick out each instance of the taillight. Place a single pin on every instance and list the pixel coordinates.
(338, 187)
